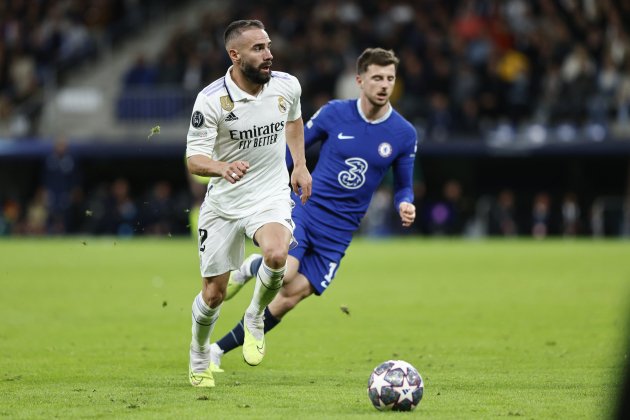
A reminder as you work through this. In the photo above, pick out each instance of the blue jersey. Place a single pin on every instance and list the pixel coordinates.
(354, 157)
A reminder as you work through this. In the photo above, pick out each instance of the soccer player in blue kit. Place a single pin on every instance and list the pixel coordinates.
(361, 139)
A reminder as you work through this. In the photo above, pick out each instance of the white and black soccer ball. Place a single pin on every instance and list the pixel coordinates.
(395, 385)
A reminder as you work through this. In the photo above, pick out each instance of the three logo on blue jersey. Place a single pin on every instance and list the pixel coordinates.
(354, 177)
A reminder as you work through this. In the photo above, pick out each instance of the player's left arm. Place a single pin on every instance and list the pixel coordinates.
(300, 176)
(403, 185)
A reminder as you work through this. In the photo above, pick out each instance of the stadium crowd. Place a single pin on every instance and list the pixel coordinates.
(42, 42)
(466, 65)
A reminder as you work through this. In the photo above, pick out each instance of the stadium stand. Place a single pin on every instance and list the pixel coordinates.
(479, 78)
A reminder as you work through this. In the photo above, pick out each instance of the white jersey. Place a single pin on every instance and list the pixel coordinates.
(228, 124)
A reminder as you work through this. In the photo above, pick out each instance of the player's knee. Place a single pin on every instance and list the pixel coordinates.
(276, 258)
(213, 298)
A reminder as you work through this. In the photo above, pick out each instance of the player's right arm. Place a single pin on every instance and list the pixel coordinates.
(203, 165)
(202, 134)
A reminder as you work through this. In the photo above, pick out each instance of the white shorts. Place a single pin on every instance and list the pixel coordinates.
(222, 240)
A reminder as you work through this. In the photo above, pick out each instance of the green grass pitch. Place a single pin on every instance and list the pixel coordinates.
(99, 328)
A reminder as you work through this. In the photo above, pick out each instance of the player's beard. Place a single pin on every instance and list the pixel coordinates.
(254, 74)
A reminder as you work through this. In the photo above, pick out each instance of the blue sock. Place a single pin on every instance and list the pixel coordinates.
(235, 338)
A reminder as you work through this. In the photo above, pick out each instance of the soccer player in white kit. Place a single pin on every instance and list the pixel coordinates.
(239, 129)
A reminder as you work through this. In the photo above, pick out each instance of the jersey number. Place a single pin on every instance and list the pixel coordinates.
(203, 235)
(331, 273)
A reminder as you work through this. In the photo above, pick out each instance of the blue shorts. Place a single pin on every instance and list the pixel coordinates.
(319, 251)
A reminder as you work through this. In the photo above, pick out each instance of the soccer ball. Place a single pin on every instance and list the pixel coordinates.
(395, 385)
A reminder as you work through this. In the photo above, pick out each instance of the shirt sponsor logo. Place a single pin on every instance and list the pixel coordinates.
(258, 135)
(354, 176)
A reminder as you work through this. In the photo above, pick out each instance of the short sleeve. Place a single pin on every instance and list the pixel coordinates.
(295, 111)
(202, 131)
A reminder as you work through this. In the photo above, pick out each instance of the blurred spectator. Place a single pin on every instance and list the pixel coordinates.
(158, 211)
(449, 214)
(36, 222)
(144, 74)
(503, 215)
(541, 215)
(570, 215)
(121, 212)
(60, 176)
(10, 217)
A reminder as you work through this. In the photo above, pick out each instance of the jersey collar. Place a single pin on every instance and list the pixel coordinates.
(380, 120)
(236, 93)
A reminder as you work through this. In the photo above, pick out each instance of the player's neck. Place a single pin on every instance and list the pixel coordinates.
(372, 112)
(245, 84)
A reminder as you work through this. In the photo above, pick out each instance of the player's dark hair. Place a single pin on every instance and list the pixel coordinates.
(237, 27)
(377, 56)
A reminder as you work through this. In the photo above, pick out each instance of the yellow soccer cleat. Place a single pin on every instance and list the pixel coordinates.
(215, 368)
(253, 350)
(240, 277)
(201, 380)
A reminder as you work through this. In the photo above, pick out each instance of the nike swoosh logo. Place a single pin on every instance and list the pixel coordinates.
(194, 379)
(340, 136)
(261, 350)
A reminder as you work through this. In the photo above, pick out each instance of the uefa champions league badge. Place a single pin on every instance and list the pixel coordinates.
(197, 119)
(385, 149)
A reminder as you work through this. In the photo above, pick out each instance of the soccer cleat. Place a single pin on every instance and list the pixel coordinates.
(240, 277)
(253, 349)
(202, 379)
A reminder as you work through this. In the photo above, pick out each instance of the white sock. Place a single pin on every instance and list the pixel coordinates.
(268, 283)
(203, 320)
(216, 353)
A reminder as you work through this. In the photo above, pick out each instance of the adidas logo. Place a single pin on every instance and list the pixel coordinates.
(231, 117)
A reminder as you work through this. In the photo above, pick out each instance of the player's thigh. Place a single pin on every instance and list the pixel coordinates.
(221, 243)
(320, 266)
(272, 227)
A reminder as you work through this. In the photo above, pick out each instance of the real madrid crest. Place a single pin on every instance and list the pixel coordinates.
(226, 103)
(282, 104)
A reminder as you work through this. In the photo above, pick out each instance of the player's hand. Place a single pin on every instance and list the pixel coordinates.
(234, 171)
(301, 181)
(407, 213)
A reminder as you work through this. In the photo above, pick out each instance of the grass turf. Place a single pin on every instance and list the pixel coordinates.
(99, 328)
